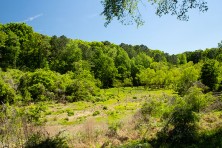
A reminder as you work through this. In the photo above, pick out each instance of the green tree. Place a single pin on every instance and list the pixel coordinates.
(173, 59)
(39, 51)
(82, 86)
(129, 49)
(209, 74)
(122, 63)
(43, 45)
(25, 36)
(189, 75)
(158, 56)
(210, 53)
(58, 44)
(106, 71)
(127, 11)
(10, 52)
(220, 44)
(67, 58)
(194, 56)
(102, 62)
(143, 60)
(146, 77)
(3, 37)
(219, 57)
(182, 58)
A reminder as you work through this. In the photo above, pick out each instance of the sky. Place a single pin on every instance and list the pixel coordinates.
(81, 19)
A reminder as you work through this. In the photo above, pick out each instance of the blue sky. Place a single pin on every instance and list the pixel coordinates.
(80, 19)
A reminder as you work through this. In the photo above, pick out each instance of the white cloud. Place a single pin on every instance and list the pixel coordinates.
(33, 17)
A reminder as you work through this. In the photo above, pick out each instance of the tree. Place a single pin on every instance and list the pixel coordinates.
(66, 59)
(209, 74)
(127, 11)
(173, 59)
(182, 58)
(220, 44)
(105, 70)
(189, 75)
(37, 53)
(143, 61)
(9, 53)
(122, 63)
(3, 37)
(58, 44)
(195, 56)
(158, 56)
(42, 45)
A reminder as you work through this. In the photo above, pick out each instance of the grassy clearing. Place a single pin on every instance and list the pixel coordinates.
(118, 120)
(119, 103)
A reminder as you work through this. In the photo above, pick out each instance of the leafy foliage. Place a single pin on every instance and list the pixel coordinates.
(36, 68)
(209, 74)
(40, 140)
(127, 11)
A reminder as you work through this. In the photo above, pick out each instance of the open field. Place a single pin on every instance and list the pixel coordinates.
(119, 104)
(120, 117)
(118, 108)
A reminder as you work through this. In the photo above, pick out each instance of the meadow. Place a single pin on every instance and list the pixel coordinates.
(124, 117)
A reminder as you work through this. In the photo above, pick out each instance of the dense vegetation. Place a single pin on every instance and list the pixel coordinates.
(37, 68)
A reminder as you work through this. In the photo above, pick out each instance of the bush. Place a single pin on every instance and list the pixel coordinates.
(40, 140)
(96, 113)
(181, 129)
(187, 79)
(211, 138)
(113, 128)
(7, 93)
(34, 113)
(105, 107)
(9, 81)
(81, 87)
(70, 112)
(41, 85)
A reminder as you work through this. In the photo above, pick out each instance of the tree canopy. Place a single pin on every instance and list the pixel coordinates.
(127, 11)
(36, 67)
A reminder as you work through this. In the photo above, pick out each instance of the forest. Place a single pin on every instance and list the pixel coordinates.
(41, 75)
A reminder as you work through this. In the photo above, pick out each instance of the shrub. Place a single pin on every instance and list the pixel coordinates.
(187, 79)
(70, 112)
(96, 113)
(81, 87)
(211, 138)
(105, 107)
(9, 81)
(34, 113)
(113, 128)
(39, 139)
(7, 93)
(41, 85)
(180, 129)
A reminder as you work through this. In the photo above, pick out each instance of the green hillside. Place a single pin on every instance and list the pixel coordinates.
(62, 92)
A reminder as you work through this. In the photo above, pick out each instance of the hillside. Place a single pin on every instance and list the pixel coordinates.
(73, 93)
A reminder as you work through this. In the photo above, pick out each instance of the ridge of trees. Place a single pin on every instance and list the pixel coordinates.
(38, 67)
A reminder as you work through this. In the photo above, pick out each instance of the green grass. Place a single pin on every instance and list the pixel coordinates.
(118, 104)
